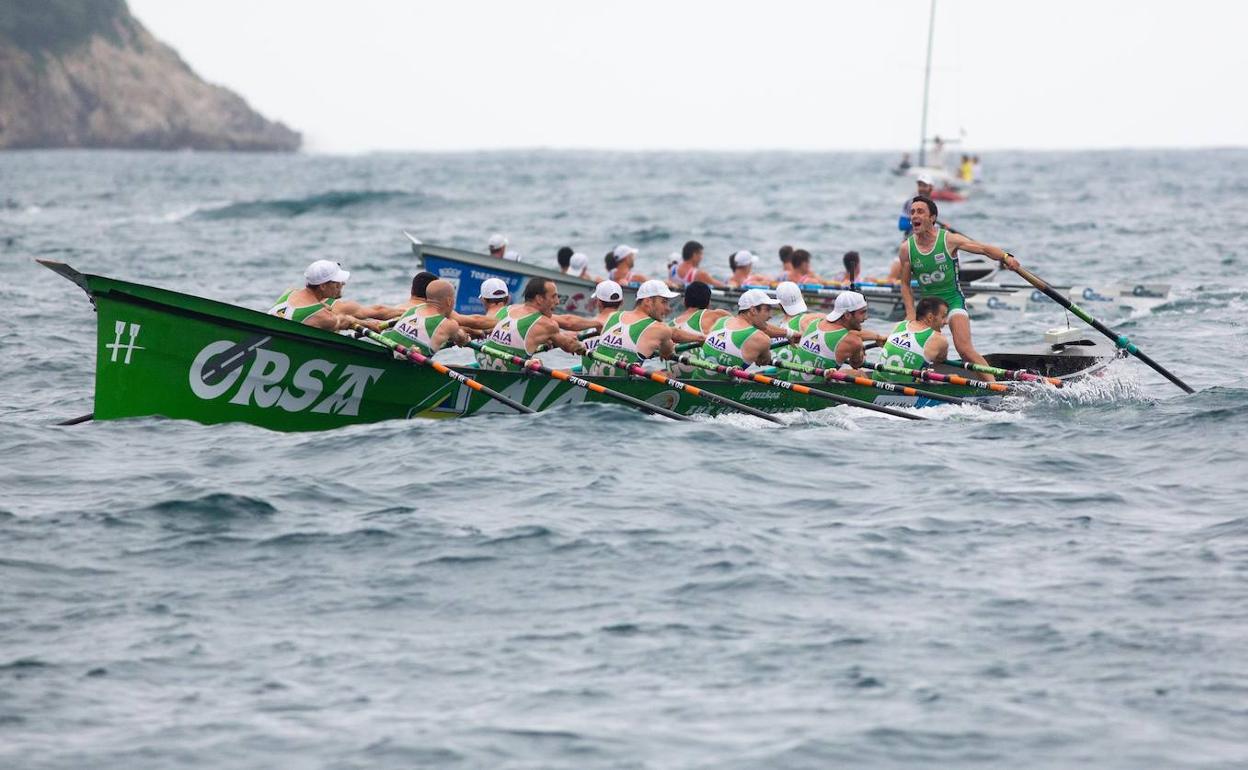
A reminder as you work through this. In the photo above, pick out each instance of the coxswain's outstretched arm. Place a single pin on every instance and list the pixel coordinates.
(962, 243)
(903, 278)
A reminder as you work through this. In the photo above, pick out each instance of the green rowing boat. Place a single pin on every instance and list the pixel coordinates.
(163, 353)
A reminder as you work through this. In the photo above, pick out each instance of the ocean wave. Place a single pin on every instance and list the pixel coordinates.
(331, 202)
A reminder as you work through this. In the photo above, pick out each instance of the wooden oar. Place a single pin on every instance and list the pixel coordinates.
(891, 387)
(420, 358)
(684, 387)
(702, 363)
(535, 365)
(1119, 339)
(931, 376)
(1009, 374)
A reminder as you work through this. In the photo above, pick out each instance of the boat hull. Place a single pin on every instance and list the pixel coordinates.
(162, 353)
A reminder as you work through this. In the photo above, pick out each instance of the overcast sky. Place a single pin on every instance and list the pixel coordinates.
(479, 74)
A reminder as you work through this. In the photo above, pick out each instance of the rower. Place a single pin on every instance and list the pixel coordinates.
(698, 317)
(640, 333)
(742, 340)
(608, 297)
(620, 261)
(428, 327)
(525, 327)
(797, 317)
(837, 338)
(319, 303)
(498, 248)
(916, 344)
(799, 268)
(688, 269)
(495, 297)
(742, 264)
(420, 282)
(931, 257)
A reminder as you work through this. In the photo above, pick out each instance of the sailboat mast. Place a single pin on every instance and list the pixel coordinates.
(927, 81)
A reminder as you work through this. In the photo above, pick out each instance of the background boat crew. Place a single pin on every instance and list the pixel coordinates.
(786, 255)
(689, 269)
(525, 327)
(564, 258)
(428, 326)
(905, 163)
(742, 340)
(966, 170)
(799, 268)
(930, 256)
(498, 248)
(619, 262)
(742, 264)
(639, 334)
(698, 316)
(319, 303)
(918, 343)
(574, 263)
(836, 338)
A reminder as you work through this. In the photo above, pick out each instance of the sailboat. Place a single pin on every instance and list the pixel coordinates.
(933, 165)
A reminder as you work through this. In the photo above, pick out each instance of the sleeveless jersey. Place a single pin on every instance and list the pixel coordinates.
(414, 330)
(588, 362)
(789, 352)
(691, 324)
(817, 348)
(936, 271)
(619, 341)
(509, 335)
(723, 346)
(687, 278)
(903, 348)
(283, 308)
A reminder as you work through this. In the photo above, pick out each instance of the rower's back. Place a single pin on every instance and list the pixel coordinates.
(509, 335)
(724, 343)
(299, 305)
(906, 348)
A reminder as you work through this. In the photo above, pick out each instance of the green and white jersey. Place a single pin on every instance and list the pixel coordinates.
(299, 314)
(509, 335)
(588, 362)
(936, 271)
(691, 324)
(817, 348)
(904, 348)
(789, 352)
(619, 340)
(412, 329)
(723, 346)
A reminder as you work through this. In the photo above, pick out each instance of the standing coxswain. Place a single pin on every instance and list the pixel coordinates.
(319, 303)
(916, 344)
(524, 328)
(639, 334)
(930, 256)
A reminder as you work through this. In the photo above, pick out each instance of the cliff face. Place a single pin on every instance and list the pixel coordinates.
(85, 73)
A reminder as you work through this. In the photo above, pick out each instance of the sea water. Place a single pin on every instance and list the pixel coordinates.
(1061, 584)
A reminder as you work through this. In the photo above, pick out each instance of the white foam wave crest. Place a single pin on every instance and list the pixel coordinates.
(1118, 381)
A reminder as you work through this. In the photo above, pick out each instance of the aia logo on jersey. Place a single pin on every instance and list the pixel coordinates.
(901, 342)
(613, 340)
(811, 345)
(717, 341)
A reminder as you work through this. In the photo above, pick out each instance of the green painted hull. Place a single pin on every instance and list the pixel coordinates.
(185, 357)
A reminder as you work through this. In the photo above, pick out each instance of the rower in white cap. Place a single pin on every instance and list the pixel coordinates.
(428, 327)
(524, 328)
(639, 334)
(608, 297)
(619, 262)
(742, 264)
(836, 339)
(319, 303)
(498, 248)
(742, 340)
(797, 316)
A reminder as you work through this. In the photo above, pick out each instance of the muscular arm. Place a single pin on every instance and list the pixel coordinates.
(849, 350)
(383, 312)
(330, 321)
(575, 323)
(684, 335)
(757, 349)
(937, 349)
(658, 338)
(479, 322)
(903, 277)
(448, 331)
(962, 243)
(705, 277)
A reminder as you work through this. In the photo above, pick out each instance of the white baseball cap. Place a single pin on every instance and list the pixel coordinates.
(754, 298)
(323, 271)
(578, 262)
(622, 251)
(493, 288)
(790, 298)
(655, 288)
(923, 179)
(743, 258)
(608, 291)
(847, 302)
(498, 241)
